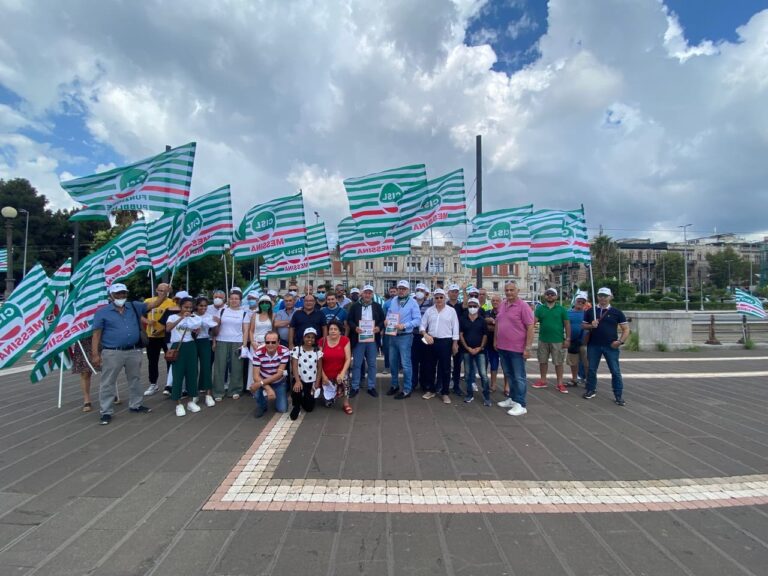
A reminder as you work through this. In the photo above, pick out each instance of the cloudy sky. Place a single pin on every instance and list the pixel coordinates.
(652, 114)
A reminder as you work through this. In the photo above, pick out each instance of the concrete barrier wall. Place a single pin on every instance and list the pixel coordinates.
(673, 329)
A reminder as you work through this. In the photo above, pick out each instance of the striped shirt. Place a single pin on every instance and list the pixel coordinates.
(269, 364)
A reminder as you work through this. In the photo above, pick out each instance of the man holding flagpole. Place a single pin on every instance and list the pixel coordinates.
(116, 345)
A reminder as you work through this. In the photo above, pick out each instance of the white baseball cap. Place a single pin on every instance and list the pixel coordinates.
(421, 286)
(473, 301)
(582, 295)
(117, 287)
(551, 291)
(182, 294)
(404, 284)
(355, 290)
(439, 291)
(235, 289)
(272, 293)
(605, 290)
(454, 287)
(368, 287)
(310, 330)
(473, 290)
(253, 294)
(264, 298)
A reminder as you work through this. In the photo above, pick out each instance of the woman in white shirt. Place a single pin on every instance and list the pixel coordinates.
(203, 345)
(230, 340)
(182, 327)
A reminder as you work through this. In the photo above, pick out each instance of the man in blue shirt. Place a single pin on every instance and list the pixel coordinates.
(333, 311)
(577, 350)
(401, 338)
(603, 323)
(116, 345)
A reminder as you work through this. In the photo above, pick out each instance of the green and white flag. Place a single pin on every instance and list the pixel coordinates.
(273, 227)
(121, 257)
(22, 317)
(206, 227)
(254, 286)
(163, 242)
(497, 237)
(439, 203)
(374, 200)
(747, 304)
(557, 237)
(62, 277)
(355, 244)
(314, 255)
(160, 183)
(88, 294)
(3, 260)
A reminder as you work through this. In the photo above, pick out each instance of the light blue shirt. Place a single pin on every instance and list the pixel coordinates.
(410, 315)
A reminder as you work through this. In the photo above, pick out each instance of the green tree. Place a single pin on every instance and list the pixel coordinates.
(727, 268)
(670, 270)
(603, 251)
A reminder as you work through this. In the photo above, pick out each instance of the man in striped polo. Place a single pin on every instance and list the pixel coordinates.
(270, 363)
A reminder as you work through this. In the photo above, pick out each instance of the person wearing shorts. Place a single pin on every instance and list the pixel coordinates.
(577, 351)
(554, 338)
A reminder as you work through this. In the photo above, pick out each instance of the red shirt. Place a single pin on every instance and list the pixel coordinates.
(333, 357)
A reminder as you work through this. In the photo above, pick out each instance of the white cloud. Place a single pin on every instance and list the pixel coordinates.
(619, 112)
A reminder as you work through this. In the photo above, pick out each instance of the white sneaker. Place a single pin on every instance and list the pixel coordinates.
(517, 410)
(474, 388)
(429, 395)
(506, 403)
(209, 401)
(180, 410)
(153, 389)
(192, 406)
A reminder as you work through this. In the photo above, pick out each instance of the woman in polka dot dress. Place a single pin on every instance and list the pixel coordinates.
(306, 368)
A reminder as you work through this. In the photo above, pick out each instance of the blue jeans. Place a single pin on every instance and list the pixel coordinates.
(385, 350)
(400, 354)
(493, 358)
(594, 352)
(364, 351)
(513, 365)
(281, 396)
(472, 365)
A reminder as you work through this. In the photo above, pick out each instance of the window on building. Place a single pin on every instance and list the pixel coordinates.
(495, 270)
(282, 284)
(495, 286)
(436, 265)
(413, 264)
(455, 267)
(369, 265)
(390, 266)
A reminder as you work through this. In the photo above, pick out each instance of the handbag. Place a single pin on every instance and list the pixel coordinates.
(172, 354)
(143, 337)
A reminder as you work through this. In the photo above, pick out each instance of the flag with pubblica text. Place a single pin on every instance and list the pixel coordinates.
(314, 255)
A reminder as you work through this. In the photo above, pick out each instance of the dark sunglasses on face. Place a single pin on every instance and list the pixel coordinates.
(439, 297)
(270, 341)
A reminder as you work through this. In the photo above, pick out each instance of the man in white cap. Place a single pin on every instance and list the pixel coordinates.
(577, 351)
(440, 329)
(604, 323)
(354, 296)
(155, 342)
(554, 338)
(402, 318)
(365, 321)
(116, 346)
(419, 350)
(457, 360)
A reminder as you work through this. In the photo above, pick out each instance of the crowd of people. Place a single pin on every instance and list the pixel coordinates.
(320, 346)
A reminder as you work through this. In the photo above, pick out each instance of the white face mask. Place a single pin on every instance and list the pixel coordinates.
(419, 295)
(472, 310)
(218, 301)
(120, 302)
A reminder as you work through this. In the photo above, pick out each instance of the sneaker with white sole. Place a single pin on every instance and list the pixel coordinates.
(180, 410)
(562, 389)
(167, 391)
(429, 395)
(506, 403)
(192, 406)
(517, 410)
(153, 389)
(209, 401)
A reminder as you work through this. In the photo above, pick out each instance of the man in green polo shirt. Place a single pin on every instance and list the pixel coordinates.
(554, 338)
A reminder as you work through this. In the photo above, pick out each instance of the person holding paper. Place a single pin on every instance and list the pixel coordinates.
(440, 331)
(365, 321)
(402, 318)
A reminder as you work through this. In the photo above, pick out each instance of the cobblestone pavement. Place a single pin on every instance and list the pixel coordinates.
(675, 482)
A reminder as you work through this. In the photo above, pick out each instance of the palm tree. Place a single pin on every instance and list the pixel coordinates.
(603, 249)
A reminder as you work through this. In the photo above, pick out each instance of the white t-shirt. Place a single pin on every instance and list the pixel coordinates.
(260, 330)
(184, 327)
(307, 363)
(231, 329)
(207, 322)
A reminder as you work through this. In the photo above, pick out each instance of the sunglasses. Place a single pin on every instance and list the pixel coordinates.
(439, 297)
(270, 341)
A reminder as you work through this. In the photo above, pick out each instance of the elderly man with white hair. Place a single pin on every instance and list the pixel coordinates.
(365, 320)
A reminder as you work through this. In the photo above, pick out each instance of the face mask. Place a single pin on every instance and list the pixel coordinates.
(252, 303)
(419, 295)
(473, 310)
(264, 307)
(292, 292)
(218, 301)
(320, 296)
(120, 302)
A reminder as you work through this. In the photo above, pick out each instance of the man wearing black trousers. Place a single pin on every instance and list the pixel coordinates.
(440, 330)
(419, 350)
(458, 357)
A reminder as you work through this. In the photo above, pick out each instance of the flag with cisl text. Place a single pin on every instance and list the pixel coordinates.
(438, 203)
(163, 239)
(205, 228)
(22, 317)
(374, 200)
(270, 228)
(314, 255)
(62, 277)
(356, 244)
(557, 237)
(748, 304)
(88, 294)
(497, 237)
(160, 184)
(121, 257)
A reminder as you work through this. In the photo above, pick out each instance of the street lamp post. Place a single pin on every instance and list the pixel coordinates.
(729, 276)
(685, 260)
(26, 237)
(9, 213)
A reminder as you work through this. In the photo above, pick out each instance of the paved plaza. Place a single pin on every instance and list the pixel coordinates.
(675, 482)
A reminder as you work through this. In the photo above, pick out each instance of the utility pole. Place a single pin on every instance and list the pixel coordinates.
(479, 176)
(685, 260)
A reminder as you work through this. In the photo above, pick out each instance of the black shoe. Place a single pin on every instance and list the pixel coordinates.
(295, 412)
(185, 394)
(373, 392)
(167, 391)
(402, 395)
(589, 394)
(141, 410)
(393, 391)
(458, 392)
(259, 412)
(353, 392)
(105, 419)
(620, 401)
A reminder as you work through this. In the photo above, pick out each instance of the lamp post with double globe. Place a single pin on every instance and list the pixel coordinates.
(9, 213)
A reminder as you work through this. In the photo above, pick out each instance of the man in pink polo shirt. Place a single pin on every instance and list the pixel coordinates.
(514, 336)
